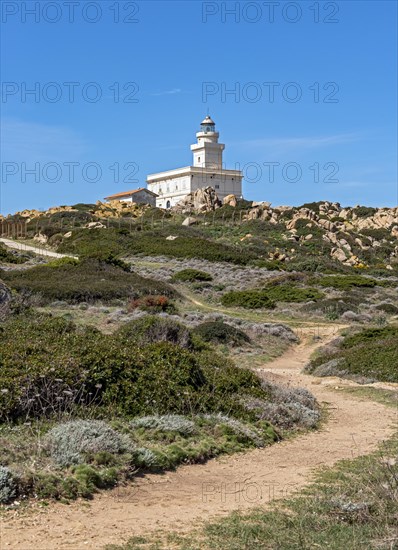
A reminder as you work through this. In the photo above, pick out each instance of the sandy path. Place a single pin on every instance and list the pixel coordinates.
(20, 245)
(177, 500)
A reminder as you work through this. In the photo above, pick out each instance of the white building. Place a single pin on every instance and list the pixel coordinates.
(138, 196)
(207, 170)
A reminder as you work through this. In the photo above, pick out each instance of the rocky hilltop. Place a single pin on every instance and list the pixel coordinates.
(350, 233)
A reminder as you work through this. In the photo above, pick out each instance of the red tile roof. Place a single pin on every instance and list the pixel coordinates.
(129, 193)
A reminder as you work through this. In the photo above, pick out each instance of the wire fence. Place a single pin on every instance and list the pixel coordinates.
(13, 230)
(147, 220)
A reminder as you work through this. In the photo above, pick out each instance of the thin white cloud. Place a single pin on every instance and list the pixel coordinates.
(168, 92)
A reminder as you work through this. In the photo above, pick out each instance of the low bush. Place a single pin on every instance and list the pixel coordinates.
(191, 275)
(267, 297)
(345, 282)
(71, 442)
(311, 206)
(319, 263)
(364, 211)
(7, 485)
(289, 293)
(152, 304)
(87, 281)
(387, 308)
(250, 299)
(10, 257)
(286, 408)
(82, 480)
(221, 333)
(50, 366)
(242, 431)
(165, 423)
(61, 262)
(379, 234)
(151, 329)
(330, 307)
(371, 354)
(189, 244)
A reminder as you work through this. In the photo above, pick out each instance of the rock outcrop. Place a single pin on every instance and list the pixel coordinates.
(230, 200)
(201, 200)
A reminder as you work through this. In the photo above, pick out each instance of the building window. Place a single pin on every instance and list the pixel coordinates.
(198, 159)
(168, 204)
(217, 186)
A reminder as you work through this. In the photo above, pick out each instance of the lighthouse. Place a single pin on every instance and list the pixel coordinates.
(207, 152)
(207, 170)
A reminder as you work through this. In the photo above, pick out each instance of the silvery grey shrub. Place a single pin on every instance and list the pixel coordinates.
(143, 457)
(7, 485)
(289, 415)
(287, 407)
(166, 423)
(70, 441)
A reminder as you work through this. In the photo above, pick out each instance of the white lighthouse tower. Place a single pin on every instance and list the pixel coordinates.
(207, 171)
(207, 152)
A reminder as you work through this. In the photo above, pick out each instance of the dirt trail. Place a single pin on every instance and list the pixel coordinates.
(22, 246)
(177, 500)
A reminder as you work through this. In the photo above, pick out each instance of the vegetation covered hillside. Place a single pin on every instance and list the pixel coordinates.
(140, 349)
(312, 237)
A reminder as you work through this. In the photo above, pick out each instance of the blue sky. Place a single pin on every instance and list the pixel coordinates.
(329, 131)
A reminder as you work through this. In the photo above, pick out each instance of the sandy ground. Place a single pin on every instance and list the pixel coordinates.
(20, 245)
(179, 500)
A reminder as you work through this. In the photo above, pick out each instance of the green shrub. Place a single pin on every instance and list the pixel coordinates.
(88, 242)
(165, 423)
(50, 366)
(151, 329)
(10, 257)
(370, 335)
(267, 297)
(364, 211)
(83, 481)
(61, 262)
(317, 263)
(311, 206)
(288, 293)
(345, 282)
(379, 234)
(221, 333)
(250, 299)
(190, 275)
(387, 308)
(371, 353)
(86, 281)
